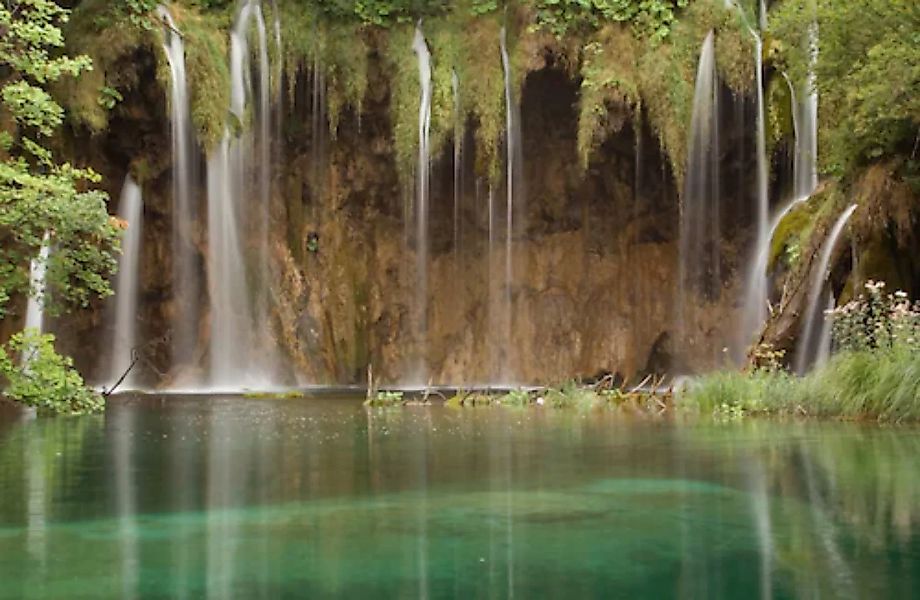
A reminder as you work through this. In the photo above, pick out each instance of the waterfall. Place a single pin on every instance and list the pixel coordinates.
(514, 164)
(230, 308)
(124, 337)
(421, 204)
(825, 338)
(458, 156)
(35, 307)
(186, 284)
(755, 296)
(805, 162)
(239, 194)
(700, 231)
(263, 110)
(763, 198)
(754, 313)
(807, 350)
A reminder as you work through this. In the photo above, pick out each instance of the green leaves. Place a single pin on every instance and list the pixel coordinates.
(652, 18)
(38, 376)
(40, 197)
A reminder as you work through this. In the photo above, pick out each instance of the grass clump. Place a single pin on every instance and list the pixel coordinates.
(876, 374)
(386, 399)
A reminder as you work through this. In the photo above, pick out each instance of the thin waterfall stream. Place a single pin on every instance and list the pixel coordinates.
(186, 284)
(700, 263)
(807, 350)
(805, 181)
(35, 305)
(420, 48)
(242, 351)
(124, 336)
(514, 199)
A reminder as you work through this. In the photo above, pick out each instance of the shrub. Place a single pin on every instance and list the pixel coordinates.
(44, 379)
(875, 320)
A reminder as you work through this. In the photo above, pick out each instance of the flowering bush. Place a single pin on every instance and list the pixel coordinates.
(876, 320)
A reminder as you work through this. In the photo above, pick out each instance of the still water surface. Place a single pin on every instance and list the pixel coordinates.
(235, 498)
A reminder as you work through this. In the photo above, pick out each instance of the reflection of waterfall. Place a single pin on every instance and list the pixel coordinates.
(421, 203)
(35, 306)
(123, 432)
(222, 524)
(124, 336)
(700, 231)
(36, 500)
(764, 528)
(186, 285)
(841, 577)
(807, 350)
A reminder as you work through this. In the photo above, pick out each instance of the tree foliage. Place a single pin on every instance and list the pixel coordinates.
(867, 74)
(42, 199)
(38, 195)
(42, 378)
(652, 17)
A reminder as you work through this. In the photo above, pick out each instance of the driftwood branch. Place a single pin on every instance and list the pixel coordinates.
(135, 356)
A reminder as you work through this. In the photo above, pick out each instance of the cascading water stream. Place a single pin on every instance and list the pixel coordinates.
(805, 165)
(186, 284)
(242, 353)
(807, 349)
(825, 337)
(124, 336)
(420, 47)
(700, 230)
(763, 198)
(35, 305)
(805, 181)
(263, 142)
(458, 157)
(755, 297)
(513, 184)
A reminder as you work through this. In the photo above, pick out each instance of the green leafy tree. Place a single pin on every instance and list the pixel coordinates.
(38, 195)
(48, 382)
(867, 74)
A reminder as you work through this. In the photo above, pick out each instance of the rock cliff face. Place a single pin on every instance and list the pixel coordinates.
(594, 253)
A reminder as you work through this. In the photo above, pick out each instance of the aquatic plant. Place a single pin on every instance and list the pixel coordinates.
(386, 398)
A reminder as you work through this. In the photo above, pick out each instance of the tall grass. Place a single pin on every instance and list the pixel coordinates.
(880, 384)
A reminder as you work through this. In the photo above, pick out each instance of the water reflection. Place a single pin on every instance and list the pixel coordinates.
(228, 498)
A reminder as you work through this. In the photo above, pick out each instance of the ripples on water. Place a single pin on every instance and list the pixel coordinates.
(224, 498)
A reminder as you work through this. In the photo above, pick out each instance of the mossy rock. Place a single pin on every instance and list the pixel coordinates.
(792, 233)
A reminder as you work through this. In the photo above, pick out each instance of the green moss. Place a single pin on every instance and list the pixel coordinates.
(101, 31)
(345, 54)
(780, 118)
(667, 76)
(792, 232)
(208, 73)
(609, 88)
(735, 49)
(483, 89)
(405, 98)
